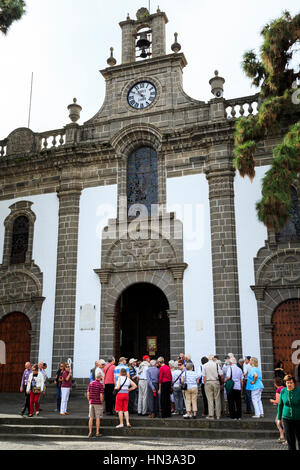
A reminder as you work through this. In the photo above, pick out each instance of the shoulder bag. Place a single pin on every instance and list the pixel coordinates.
(184, 386)
(176, 380)
(229, 384)
(116, 391)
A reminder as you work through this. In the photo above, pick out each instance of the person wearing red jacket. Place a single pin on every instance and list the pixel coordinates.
(165, 382)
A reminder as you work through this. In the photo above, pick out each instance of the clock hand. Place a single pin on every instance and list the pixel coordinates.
(143, 96)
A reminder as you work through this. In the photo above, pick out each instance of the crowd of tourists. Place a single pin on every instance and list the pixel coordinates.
(150, 387)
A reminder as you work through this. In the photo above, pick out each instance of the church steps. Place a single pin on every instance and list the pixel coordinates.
(172, 423)
(50, 429)
(57, 432)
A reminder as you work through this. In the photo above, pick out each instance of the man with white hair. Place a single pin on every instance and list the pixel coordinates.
(234, 397)
(152, 375)
(99, 369)
(212, 375)
(95, 396)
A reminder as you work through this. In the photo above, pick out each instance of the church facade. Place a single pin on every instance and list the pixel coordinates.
(132, 233)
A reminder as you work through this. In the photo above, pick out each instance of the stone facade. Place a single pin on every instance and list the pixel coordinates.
(190, 137)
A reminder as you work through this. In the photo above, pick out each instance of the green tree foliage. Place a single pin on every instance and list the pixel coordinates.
(10, 11)
(272, 73)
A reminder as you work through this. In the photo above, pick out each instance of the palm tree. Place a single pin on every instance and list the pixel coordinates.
(10, 11)
(277, 81)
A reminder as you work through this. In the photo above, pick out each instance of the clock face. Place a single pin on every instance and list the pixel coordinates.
(141, 95)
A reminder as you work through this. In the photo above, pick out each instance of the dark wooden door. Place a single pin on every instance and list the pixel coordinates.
(286, 329)
(14, 331)
(141, 312)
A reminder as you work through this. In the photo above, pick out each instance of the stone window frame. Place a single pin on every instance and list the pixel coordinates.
(21, 208)
(127, 141)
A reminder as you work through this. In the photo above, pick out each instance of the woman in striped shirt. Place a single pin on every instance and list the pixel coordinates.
(191, 379)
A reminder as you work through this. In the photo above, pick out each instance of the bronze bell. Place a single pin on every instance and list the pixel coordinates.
(143, 54)
(143, 42)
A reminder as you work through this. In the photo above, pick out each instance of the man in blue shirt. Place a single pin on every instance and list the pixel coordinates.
(152, 375)
(122, 365)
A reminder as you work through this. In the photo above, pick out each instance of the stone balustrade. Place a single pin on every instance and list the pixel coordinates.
(245, 106)
(52, 138)
(3, 146)
(24, 141)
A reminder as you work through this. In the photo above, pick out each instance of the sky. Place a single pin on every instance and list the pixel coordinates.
(65, 43)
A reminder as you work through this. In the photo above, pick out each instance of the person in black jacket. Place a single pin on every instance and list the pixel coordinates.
(57, 382)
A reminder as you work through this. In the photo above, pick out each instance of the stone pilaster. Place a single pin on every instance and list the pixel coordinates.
(224, 256)
(177, 344)
(65, 300)
(107, 335)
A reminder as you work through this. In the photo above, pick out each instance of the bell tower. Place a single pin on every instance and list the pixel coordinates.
(144, 37)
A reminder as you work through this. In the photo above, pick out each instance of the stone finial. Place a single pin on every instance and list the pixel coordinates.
(158, 9)
(128, 17)
(216, 84)
(176, 46)
(111, 60)
(142, 13)
(75, 110)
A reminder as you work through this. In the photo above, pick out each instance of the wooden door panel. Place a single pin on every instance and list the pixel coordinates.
(14, 331)
(286, 329)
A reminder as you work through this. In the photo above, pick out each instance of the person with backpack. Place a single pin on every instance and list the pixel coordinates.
(124, 386)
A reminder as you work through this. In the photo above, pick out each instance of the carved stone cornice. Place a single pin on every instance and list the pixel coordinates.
(178, 270)
(259, 292)
(103, 274)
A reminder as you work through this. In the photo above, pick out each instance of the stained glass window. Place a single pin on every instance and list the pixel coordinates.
(19, 240)
(142, 178)
(291, 230)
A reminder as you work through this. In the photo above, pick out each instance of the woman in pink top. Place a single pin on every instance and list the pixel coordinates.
(109, 385)
(278, 384)
(165, 381)
(65, 389)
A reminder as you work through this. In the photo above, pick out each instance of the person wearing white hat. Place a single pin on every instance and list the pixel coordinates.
(132, 406)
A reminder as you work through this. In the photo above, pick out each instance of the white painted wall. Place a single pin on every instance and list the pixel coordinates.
(251, 235)
(97, 205)
(188, 197)
(45, 207)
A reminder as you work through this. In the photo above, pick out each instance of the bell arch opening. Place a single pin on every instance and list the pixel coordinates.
(141, 323)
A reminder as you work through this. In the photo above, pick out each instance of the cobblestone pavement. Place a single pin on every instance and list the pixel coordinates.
(144, 444)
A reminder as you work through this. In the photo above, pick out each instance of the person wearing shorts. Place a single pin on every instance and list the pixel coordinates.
(123, 386)
(95, 395)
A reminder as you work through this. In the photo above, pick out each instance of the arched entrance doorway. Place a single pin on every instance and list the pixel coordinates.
(141, 321)
(286, 329)
(15, 333)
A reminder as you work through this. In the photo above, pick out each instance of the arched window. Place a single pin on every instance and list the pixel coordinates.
(291, 231)
(20, 236)
(142, 178)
